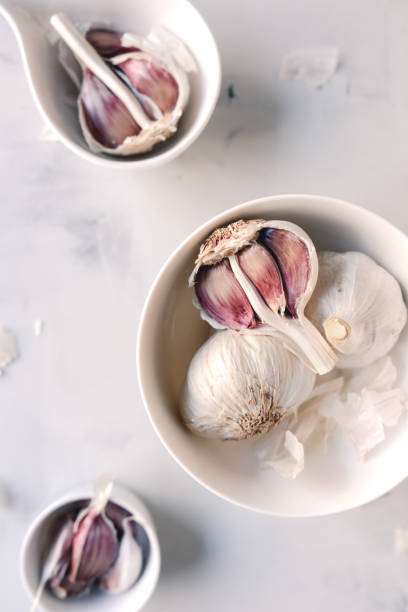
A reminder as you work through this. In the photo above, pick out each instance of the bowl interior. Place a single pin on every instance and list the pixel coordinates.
(171, 331)
(53, 87)
(36, 543)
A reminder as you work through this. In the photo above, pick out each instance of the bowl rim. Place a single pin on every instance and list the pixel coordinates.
(120, 495)
(119, 162)
(222, 217)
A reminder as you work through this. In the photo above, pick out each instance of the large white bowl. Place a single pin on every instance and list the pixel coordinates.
(171, 330)
(50, 86)
(33, 546)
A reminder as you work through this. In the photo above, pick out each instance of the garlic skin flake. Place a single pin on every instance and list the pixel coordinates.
(283, 449)
(358, 306)
(240, 386)
(262, 273)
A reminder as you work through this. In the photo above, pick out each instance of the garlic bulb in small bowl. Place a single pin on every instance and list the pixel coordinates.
(172, 331)
(44, 552)
(55, 94)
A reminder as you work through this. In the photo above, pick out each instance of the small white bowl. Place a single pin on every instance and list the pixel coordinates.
(171, 330)
(134, 599)
(50, 86)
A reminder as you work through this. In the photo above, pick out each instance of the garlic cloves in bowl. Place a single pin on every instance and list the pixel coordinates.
(262, 273)
(132, 93)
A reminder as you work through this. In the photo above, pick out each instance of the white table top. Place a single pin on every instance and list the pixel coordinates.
(80, 246)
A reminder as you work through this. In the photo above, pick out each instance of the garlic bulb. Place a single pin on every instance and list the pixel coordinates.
(93, 545)
(262, 272)
(240, 386)
(358, 306)
(132, 94)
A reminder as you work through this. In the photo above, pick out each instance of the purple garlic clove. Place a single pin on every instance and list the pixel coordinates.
(107, 42)
(154, 83)
(292, 256)
(106, 117)
(133, 92)
(94, 546)
(222, 297)
(261, 268)
(128, 565)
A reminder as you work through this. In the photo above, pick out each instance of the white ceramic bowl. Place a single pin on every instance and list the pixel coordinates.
(133, 599)
(50, 85)
(171, 331)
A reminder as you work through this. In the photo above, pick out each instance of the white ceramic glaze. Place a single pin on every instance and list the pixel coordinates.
(134, 599)
(50, 86)
(171, 330)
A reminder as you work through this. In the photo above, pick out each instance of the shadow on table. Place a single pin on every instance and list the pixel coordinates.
(180, 545)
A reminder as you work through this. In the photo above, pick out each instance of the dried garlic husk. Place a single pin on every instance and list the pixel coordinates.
(283, 448)
(258, 272)
(360, 404)
(132, 93)
(240, 386)
(369, 402)
(358, 306)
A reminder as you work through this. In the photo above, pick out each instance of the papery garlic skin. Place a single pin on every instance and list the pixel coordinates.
(358, 306)
(240, 386)
(274, 266)
(164, 113)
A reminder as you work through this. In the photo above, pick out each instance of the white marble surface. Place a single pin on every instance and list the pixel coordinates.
(80, 246)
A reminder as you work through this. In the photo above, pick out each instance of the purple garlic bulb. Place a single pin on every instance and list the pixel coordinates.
(137, 102)
(261, 274)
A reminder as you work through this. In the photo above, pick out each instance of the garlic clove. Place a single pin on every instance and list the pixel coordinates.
(153, 82)
(292, 256)
(107, 42)
(261, 268)
(94, 546)
(222, 297)
(106, 118)
(128, 565)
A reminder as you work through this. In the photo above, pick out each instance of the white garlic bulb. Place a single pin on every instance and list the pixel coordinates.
(359, 307)
(240, 386)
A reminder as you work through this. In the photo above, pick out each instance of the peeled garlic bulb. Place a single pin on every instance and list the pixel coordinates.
(240, 386)
(257, 272)
(358, 306)
(138, 101)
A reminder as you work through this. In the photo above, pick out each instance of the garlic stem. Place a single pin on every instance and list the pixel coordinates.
(88, 57)
(336, 329)
(306, 337)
